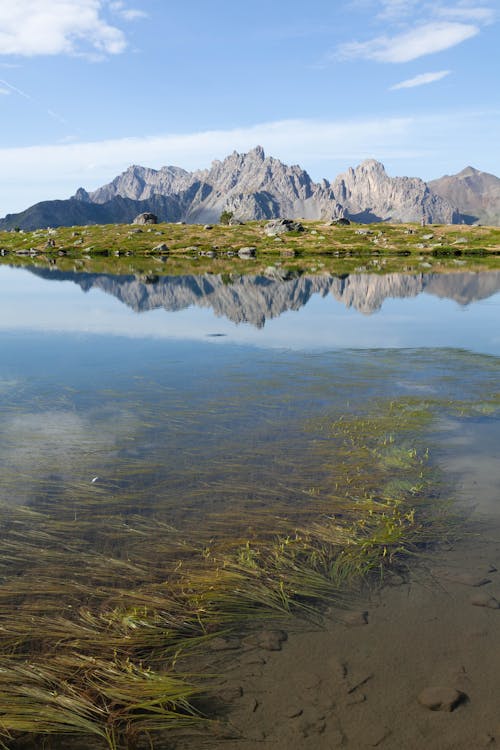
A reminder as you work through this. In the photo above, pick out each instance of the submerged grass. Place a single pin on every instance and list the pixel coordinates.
(99, 607)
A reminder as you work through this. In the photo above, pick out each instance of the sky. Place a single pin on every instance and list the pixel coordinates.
(88, 87)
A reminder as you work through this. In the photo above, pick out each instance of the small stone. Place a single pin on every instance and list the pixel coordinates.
(207, 227)
(355, 619)
(355, 699)
(271, 640)
(230, 694)
(485, 600)
(486, 740)
(466, 579)
(293, 711)
(161, 248)
(441, 698)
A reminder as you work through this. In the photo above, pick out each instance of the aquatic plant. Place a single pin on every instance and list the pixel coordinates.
(100, 605)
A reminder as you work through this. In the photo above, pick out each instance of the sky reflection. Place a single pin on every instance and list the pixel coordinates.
(33, 304)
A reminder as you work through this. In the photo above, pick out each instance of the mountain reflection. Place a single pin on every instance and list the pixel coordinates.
(255, 299)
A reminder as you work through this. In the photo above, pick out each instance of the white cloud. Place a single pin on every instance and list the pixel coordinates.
(4, 92)
(53, 27)
(129, 14)
(421, 80)
(410, 45)
(481, 14)
(393, 10)
(323, 147)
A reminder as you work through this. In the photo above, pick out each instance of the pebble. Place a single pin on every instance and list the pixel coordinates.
(355, 619)
(485, 600)
(441, 698)
(230, 694)
(355, 699)
(466, 579)
(271, 640)
(293, 711)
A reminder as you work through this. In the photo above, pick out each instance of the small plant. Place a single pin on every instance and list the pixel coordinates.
(225, 217)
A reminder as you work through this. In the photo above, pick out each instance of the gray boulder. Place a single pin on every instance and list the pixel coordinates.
(146, 218)
(280, 226)
(247, 252)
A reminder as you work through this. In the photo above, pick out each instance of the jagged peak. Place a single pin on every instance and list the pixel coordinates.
(81, 195)
(372, 165)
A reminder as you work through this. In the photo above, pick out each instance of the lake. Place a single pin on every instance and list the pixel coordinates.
(213, 475)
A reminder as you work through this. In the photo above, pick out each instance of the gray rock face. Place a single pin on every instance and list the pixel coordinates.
(367, 193)
(475, 193)
(140, 183)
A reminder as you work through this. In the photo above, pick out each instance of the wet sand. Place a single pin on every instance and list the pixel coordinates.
(357, 684)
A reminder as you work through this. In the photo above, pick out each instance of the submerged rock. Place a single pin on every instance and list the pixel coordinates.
(441, 698)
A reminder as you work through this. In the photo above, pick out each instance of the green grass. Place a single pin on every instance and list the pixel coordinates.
(321, 248)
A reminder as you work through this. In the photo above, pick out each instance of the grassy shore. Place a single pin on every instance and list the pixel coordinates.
(188, 248)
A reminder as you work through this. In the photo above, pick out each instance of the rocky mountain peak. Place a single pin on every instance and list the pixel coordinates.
(255, 186)
(371, 165)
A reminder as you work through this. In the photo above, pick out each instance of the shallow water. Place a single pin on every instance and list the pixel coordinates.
(188, 399)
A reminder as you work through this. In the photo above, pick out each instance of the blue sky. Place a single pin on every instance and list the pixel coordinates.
(88, 87)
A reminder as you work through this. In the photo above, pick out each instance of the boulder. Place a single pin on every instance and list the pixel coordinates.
(280, 226)
(146, 218)
(247, 252)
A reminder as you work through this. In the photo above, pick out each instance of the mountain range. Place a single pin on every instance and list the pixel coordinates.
(254, 186)
(255, 299)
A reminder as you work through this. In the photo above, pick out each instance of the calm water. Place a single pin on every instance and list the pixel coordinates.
(194, 400)
(142, 383)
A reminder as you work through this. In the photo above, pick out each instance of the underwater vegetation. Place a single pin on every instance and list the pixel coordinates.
(99, 606)
(136, 529)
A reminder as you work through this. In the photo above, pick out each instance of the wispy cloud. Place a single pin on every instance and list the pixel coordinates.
(8, 88)
(421, 80)
(394, 10)
(466, 12)
(410, 45)
(416, 28)
(54, 27)
(324, 147)
(129, 14)
(4, 91)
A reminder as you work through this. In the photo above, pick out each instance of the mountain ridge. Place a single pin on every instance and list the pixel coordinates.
(253, 186)
(256, 299)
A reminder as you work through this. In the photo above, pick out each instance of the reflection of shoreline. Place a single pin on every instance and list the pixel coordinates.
(255, 299)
